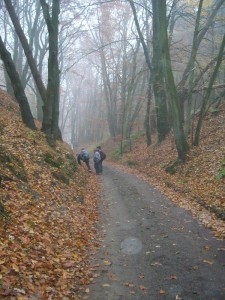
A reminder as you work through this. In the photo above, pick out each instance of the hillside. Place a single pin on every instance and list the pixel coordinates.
(48, 204)
(199, 184)
(48, 214)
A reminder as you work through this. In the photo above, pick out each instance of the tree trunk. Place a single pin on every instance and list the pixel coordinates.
(159, 25)
(51, 106)
(111, 111)
(26, 48)
(148, 62)
(9, 87)
(17, 87)
(147, 116)
(208, 92)
(156, 69)
(192, 68)
(179, 136)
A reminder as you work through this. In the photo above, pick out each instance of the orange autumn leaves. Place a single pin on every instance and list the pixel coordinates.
(48, 226)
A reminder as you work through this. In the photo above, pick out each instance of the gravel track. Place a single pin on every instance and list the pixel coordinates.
(152, 249)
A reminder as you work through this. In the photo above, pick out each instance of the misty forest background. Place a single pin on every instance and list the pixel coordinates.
(93, 70)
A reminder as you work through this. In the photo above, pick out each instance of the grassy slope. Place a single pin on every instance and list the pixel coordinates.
(48, 214)
(194, 185)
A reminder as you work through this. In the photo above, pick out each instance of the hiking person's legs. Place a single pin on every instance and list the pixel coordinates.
(100, 167)
(96, 165)
(87, 164)
(79, 159)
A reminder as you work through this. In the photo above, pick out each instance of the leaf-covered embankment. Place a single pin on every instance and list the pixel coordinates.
(48, 214)
(197, 185)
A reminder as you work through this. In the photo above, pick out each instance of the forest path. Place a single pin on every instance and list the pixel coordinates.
(153, 249)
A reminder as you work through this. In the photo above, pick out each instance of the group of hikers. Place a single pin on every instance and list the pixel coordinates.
(98, 157)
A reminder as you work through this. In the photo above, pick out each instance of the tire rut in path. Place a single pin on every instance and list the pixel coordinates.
(153, 249)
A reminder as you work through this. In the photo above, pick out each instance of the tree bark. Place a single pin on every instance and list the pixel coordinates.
(156, 69)
(179, 136)
(147, 116)
(159, 85)
(148, 62)
(17, 87)
(51, 106)
(27, 50)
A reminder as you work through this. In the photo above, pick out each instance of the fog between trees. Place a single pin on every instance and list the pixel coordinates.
(117, 68)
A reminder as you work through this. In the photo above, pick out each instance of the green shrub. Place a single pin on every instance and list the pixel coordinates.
(67, 167)
(172, 168)
(13, 163)
(53, 161)
(59, 175)
(116, 154)
(214, 110)
(3, 213)
(221, 174)
(182, 181)
(132, 163)
(126, 145)
(31, 134)
(2, 126)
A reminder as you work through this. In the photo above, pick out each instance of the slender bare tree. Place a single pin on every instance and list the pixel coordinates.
(17, 86)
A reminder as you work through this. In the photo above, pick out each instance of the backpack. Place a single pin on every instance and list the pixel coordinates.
(102, 154)
(84, 155)
(96, 157)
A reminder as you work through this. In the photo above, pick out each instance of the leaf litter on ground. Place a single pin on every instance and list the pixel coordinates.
(48, 214)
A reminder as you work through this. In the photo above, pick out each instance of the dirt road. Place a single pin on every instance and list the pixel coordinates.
(153, 249)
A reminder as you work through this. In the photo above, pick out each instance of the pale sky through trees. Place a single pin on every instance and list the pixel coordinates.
(104, 78)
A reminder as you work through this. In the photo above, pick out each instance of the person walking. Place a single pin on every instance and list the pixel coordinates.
(84, 156)
(97, 160)
(103, 157)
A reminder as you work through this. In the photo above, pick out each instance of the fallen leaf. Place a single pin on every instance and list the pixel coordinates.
(132, 292)
(210, 262)
(172, 277)
(129, 284)
(107, 262)
(143, 288)
(221, 249)
(106, 285)
(206, 248)
(15, 268)
(156, 264)
(112, 276)
(21, 291)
